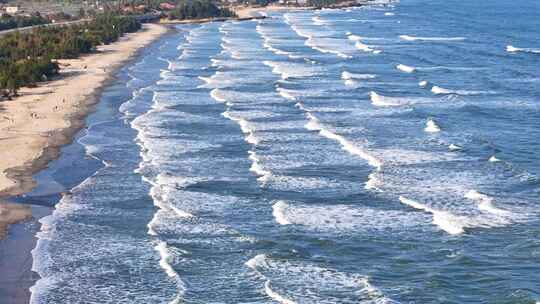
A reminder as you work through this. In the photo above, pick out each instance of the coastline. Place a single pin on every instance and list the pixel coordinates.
(41, 120)
(36, 126)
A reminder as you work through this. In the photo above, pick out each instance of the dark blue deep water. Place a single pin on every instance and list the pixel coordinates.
(383, 154)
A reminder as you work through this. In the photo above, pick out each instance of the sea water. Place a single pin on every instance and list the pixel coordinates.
(380, 154)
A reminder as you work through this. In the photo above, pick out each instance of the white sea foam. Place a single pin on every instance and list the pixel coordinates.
(383, 101)
(373, 183)
(414, 38)
(275, 50)
(351, 83)
(453, 147)
(389, 14)
(423, 84)
(244, 124)
(485, 203)
(405, 68)
(513, 49)
(289, 280)
(318, 21)
(279, 210)
(445, 220)
(363, 47)
(290, 69)
(315, 125)
(348, 76)
(276, 296)
(217, 95)
(323, 49)
(494, 159)
(257, 168)
(442, 91)
(431, 126)
(439, 90)
(166, 259)
(287, 94)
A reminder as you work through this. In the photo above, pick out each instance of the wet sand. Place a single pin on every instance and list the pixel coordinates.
(33, 128)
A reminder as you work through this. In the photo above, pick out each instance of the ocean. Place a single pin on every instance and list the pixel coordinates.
(377, 154)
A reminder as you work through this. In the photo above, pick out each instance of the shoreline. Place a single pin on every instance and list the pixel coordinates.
(41, 120)
(36, 126)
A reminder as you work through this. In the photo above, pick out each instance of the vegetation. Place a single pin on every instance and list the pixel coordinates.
(8, 22)
(197, 9)
(30, 57)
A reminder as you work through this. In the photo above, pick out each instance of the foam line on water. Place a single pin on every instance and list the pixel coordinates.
(165, 261)
(442, 91)
(513, 49)
(276, 296)
(315, 125)
(310, 42)
(415, 38)
(289, 281)
(485, 203)
(446, 221)
(257, 168)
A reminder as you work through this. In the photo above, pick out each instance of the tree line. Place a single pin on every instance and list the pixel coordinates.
(8, 22)
(198, 9)
(30, 57)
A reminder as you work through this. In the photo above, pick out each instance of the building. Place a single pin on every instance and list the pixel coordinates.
(167, 6)
(12, 9)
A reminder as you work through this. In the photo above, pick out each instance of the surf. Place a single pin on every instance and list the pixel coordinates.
(415, 38)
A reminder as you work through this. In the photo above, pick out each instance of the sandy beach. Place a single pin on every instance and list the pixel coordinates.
(35, 125)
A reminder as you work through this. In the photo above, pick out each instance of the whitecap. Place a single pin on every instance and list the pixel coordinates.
(257, 168)
(315, 125)
(345, 75)
(383, 101)
(431, 126)
(414, 38)
(512, 49)
(363, 47)
(446, 221)
(453, 147)
(279, 212)
(485, 203)
(405, 68)
(494, 159)
(442, 91)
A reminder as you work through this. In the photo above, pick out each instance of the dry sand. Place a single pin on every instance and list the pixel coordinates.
(35, 125)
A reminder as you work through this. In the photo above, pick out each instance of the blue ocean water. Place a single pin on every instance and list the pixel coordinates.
(380, 154)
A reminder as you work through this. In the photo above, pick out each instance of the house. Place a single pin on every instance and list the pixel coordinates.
(141, 8)
(167, 6)
(12, 9)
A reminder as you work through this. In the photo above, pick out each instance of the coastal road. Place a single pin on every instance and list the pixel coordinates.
(29, 28)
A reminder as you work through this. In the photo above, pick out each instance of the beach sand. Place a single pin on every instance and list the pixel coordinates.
(35, 125)
(33, 128)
